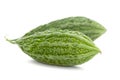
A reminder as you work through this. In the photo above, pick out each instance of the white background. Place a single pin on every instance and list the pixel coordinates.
(19, 16)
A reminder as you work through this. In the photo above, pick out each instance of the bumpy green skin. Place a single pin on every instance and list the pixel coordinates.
(85, 25)
(61, 47)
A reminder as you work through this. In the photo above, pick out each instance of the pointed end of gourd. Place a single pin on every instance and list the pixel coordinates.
(98, 50)
(11, 41)
(103, 30)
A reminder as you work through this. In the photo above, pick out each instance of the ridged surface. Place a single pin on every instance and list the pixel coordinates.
(85, 25)
(60, 47)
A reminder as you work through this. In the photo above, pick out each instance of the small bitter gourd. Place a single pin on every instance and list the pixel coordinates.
(85, 25)
(58, 47)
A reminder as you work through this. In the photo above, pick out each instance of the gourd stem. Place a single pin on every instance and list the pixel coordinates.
(11, 41)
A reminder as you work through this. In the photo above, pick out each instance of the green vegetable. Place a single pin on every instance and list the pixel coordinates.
(82, 24)
(58, 47)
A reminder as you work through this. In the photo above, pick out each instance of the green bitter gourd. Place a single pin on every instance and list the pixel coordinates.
(85, 25)
(58, 47)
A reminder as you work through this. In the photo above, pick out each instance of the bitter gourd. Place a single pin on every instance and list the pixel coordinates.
(58, 47)
(85, 25)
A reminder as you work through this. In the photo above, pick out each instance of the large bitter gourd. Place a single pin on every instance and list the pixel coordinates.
(58, 47)
(85, 25)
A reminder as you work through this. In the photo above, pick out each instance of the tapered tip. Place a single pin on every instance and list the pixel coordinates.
(11, 41)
